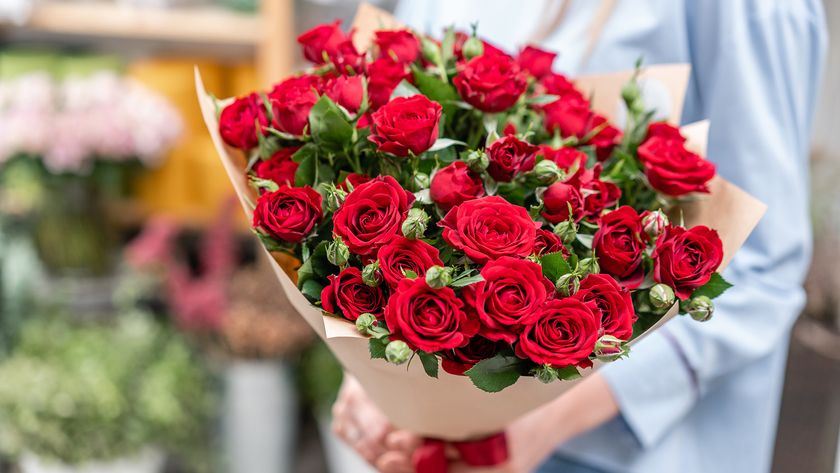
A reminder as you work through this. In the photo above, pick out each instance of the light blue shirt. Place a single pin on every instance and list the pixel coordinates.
(701, 397)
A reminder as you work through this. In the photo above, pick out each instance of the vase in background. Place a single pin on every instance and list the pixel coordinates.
(147, 461)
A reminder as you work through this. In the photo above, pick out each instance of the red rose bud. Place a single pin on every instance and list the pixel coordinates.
(619, 246)
(564, 334)
(291, 101)
(536, 61)
(491, 83)
(397, 352)
(701, 308)
(509, 297)
(685, 259)
(428, 319)
(348, 295)
(372, 215)
(384, 74)
(457, 361)
(238, 122)
(489, 228)
(401, 45)
(510, 156)
(611, 302)
(347, 91)
(288, 214)
(664, 130)
(654, 222)
(672, 169)
(558, 199)
(402, 255)
(454, 185)
(609, 348)
(548, 242)
(322, 42)
(598, 196)
(406, 125)
(279, 167)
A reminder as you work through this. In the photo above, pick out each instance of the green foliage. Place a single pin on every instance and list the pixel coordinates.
(554, 265)
(330, 127)
(430, 363)
(494, 374)
(714, 288)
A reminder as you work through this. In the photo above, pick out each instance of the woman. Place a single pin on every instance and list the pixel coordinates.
(693, 397)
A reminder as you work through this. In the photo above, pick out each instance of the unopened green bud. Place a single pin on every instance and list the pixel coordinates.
(415, 224)
(337, 252)
(568, 284)
(397, 352)
(371, 275)
(438, 277)
(473, 47)
(546, 373)
(547, 172)
(654, 222)
(661, 296)
(589, 266)
(365, 323)
(631, 92)
(334, 197)
(430, 50)
(701, 308)
(609, 348)
(477, 160)
(566, 230)
(421, 181)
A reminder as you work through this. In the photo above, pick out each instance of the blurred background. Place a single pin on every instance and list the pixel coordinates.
(138, 331)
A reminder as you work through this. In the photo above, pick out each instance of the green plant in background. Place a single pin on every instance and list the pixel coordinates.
(319, 377)
(75, 393)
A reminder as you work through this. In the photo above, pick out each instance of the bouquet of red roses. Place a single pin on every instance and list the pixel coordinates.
(471, 210)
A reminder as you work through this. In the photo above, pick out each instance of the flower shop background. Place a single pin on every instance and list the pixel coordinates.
(121, 343)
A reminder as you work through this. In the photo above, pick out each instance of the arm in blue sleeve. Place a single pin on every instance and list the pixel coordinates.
(756, 70)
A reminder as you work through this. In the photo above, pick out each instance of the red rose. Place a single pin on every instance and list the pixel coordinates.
(402, 254)
(598, 196)
(558, 84)
(613, 303)
(509, 297)
(354, 180)
(428, 319)
(279, 167)
(601, 134)
(509, 129)
(401, 46)
(489, 228)
(372, 214)
(322, 42)
(238, 121)
(685, 259)
(347, 59)
(348, 295)
(569, 115)
(491, 83)
(564, 157)
(384, 74)
(291, 101)
(556, 201)
(619, 246)
(346, 91)
(549, 242)
(406, 125)
(454, 185)
(674, 170)
(510, 156)
(664, 130)
(564, 334)
(536, 61)
(459, 360)
(288, 214)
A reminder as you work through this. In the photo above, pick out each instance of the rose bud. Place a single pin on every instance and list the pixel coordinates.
(477, 160)
(568, 284)
(288, 214)
(384, 74)
(237, 122)
(701, 308)
(438, 277)
(454, 185)
(473, 47)
(654, 222)
(279, 167)
(406, 125)
(371, 275)
(365, 323)
(589, 266)
(421, 181)
(548, 242)
(566, 230)
(609, 348)
(397, 352)
(510, 156)
(631, 93)
(347, 91)
(338, 253)
(322, 42)
(661, 296)
(429, 49)
(491, 83)
(546, 374)
(547, 172)
(400, 45)
(558, 200)
(414, 226)
(334, 197)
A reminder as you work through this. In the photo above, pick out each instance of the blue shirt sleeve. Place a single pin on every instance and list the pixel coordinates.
(756, 71)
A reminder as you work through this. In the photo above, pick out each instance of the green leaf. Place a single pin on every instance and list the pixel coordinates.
(410, 274)
(329, 126)
(542, 99)
(585, 240)
(270, 243)
(312, 289)
(464, 282)
(266, 184)
(306, 172)
(404, 89)
(305, 151)
(494, 374)
(715, 287)
(567, 373)
(435, 88)
(376, 347)
(430, 363)
(447, 45)
(443, 143)
(554, 265)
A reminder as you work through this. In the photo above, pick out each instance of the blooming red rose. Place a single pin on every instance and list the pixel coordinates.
(291, 101)
(459, 360)
(536, 61)
(557, 199)
(613, 302)
(664, 130)
(346, 91)
(384, 74)
(406, 125)
(598, 195)
(348, 295)
(672, 169)
(428, 319)
(279, 167)
(619, 246)
(569, 115)
(454, 185)
(288, 214)
(685, 259)
(402, 255)
(322, 42)
(491, 83)
(558, 84)
(238, 121)
(509, 297)
(348, 59)
(564, 334)
(489, 228)
(510, 156)
(400, 45)
(564, 157)
(549, 242)
(372, 214)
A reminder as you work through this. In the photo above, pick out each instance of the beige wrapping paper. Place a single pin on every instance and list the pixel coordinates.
(450, 407)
